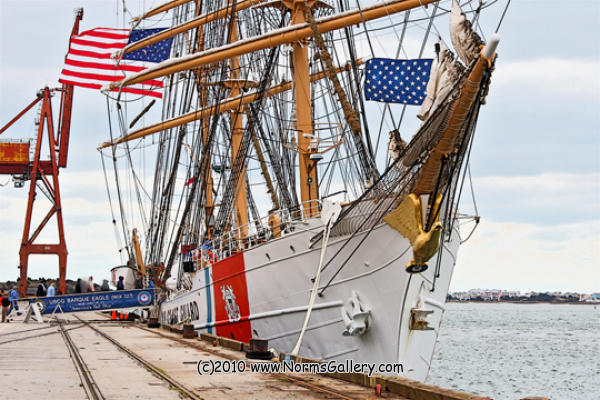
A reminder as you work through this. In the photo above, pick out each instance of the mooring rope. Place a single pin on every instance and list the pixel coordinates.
(315, 288)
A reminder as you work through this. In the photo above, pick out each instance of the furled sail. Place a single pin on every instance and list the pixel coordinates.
(445, 74)
(465, 40)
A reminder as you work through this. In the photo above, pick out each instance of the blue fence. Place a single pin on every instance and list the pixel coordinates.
(96, 301)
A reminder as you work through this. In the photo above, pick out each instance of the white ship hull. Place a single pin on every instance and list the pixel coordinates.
(264, 292)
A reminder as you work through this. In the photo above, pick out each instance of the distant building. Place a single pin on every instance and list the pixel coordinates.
(462, 296)
(486, 294)
(516, 295)
(585, 297)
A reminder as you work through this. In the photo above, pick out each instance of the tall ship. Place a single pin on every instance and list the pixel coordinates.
(302, 182)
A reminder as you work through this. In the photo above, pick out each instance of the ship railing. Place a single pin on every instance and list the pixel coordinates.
(278, 223)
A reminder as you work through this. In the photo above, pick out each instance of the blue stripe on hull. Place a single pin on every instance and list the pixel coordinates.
(208, 300)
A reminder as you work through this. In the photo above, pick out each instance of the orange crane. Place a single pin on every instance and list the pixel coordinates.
(42, 174)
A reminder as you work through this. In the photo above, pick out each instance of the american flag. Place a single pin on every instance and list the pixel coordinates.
(397, 81)
(89, 62)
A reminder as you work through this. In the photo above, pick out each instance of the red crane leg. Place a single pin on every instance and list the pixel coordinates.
(50, 168)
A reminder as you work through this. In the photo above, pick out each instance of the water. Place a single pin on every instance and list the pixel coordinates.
(512, 351)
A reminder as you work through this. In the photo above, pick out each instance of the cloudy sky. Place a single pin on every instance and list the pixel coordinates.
(535, 160)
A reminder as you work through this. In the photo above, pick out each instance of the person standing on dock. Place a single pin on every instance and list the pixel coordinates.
(41, 289)
(120, 285)
(79, 286)
(51, 290)
(105, 287)
(13, 297)
(90, 286)
(139, 281)
(5, 304)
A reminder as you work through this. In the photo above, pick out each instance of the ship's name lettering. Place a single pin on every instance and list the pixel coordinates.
(183, 313)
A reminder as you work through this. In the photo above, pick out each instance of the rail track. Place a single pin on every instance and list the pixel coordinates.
(287, 377)
(34, 336)
(107, 359)
(318, 390)
(94, 383)
(90, 385)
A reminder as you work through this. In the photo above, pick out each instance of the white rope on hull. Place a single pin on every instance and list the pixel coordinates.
(330, 211)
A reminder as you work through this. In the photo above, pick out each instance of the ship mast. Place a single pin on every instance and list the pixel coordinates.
(309, 192)
(237, 130)
(205, 124)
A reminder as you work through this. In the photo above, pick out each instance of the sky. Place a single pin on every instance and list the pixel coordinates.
(535, 161)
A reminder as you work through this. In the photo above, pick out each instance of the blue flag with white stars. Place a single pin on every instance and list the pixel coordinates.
(397, 81)
(156, 52)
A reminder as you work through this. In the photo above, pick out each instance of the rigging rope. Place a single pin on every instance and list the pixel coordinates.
(472, 191)
(225, 211)
(198, 171)
(502, 17)
(264, 171)
(355, 249)
(117, 184)
(350, 114)
(351, 50)
(464, 148)
(425, 38)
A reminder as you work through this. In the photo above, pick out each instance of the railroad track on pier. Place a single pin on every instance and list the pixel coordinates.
(183, 390)
(34, 336)
(309, 386)
(283, 376)
(89, 384)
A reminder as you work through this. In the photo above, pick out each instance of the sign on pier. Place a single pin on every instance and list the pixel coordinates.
(96, 301)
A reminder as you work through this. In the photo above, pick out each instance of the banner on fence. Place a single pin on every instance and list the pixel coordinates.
(96, 301)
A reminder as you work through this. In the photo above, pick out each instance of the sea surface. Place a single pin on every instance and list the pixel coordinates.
(512, 351)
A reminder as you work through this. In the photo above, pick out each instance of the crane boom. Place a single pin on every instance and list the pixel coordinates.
(139, 259)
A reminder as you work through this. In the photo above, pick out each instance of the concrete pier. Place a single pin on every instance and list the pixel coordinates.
(37, 362)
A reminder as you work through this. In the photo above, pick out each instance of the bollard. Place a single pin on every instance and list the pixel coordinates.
(189, 332)
(153, 323)
(259, 349)
(378, 390)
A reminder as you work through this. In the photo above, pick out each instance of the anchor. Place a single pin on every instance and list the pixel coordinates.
(357, 321)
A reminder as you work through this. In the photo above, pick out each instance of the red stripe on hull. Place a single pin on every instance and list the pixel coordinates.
(231, 298)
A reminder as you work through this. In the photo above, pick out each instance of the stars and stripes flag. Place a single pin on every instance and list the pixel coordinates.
(90, 63)
(397, 81)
